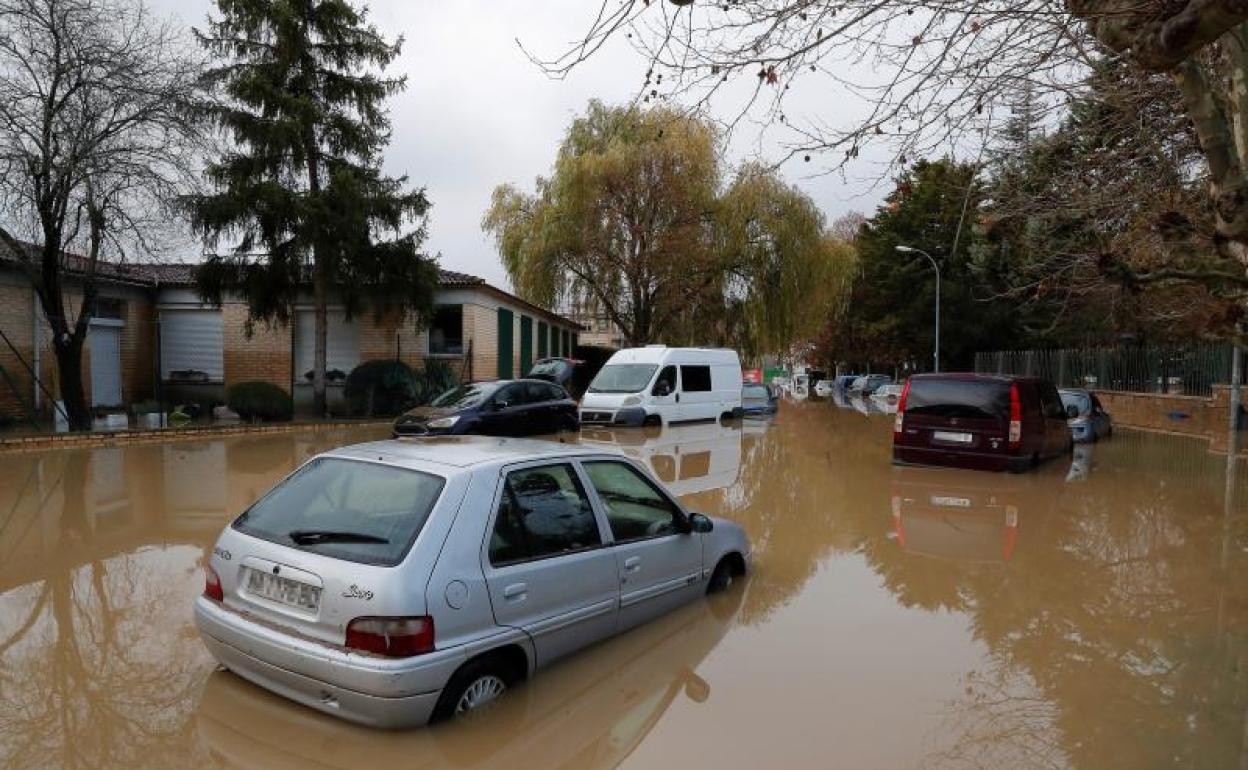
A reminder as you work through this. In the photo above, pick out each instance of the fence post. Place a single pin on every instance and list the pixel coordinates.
(1237, 374)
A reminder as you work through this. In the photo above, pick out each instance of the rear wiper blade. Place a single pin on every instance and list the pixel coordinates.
(312, 536)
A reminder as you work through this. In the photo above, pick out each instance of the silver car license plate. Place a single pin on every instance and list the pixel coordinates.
(953, 438)
(282, 590)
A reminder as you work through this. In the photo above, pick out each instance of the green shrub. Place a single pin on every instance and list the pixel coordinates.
(436, 378)
(259, 401)
(380, 389)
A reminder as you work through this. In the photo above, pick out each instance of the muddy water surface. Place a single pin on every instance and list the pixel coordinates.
(1093, 614)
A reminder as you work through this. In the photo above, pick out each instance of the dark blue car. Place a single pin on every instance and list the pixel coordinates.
(498, 408)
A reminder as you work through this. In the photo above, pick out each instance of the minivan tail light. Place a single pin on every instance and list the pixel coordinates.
(901, 408)
(212, 584)
(392, 637)
(1016, 419)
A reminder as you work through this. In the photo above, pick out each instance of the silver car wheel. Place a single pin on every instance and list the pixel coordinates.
(483, 690)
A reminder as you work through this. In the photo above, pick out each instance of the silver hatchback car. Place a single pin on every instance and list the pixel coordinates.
(401, 582)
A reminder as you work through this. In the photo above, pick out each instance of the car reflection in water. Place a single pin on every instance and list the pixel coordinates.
(590, 711)
(687, 458)
(957, 514)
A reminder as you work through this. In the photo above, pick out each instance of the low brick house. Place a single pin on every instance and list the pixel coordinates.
(154, 338)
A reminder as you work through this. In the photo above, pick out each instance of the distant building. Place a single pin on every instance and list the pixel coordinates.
(599, 329)
(152, 335)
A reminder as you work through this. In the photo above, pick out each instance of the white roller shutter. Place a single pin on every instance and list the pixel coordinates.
(192, 339)
(342, 345)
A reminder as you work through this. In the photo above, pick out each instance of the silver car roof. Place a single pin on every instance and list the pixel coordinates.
(461, 451)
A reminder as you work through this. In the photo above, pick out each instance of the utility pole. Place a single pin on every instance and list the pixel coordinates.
(936, 267)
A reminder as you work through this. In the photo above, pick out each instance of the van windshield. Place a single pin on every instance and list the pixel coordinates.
(623, 378)
(959, 398)
(346, 509)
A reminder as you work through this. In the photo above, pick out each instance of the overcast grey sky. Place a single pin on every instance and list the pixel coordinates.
(477, 113)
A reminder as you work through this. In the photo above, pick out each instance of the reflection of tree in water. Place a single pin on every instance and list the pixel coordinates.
(86, 680)
(1116, 633)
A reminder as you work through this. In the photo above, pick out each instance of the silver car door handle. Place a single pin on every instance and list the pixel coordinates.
(515, 591)
(632, 564)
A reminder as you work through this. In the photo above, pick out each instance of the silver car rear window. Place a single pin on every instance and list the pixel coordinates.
(346, 509)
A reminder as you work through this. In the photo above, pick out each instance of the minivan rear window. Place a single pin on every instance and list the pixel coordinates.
(346, 509)
(973, 399)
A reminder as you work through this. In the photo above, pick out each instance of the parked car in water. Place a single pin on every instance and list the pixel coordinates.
(661, 385)
(1087, 419)
(887, 394)
(757, 399)
(571, 374)
(868, 383)
(497, 408)
(824, 388)
(845, 381)
(981, 421)
(396, 583)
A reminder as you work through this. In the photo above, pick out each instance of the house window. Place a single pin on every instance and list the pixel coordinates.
(446, 333)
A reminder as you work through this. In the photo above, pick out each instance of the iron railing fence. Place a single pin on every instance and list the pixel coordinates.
(1188, 370)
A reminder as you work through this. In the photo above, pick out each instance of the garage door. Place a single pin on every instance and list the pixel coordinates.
(192, 340)
(105, 343)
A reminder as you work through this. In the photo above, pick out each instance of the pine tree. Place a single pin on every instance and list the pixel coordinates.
(296, 90)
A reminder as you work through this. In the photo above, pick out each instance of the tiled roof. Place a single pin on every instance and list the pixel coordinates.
(156, 273)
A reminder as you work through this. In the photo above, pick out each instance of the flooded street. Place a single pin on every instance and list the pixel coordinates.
(1092, 614)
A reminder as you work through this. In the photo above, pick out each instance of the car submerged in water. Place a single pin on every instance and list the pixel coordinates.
(1088, 420)
(498, 408)
(396, 583)
(980, 421)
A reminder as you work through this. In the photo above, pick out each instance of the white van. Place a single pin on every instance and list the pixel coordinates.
(657, 384)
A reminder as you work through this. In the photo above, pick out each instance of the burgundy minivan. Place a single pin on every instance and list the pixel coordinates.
(983, 421)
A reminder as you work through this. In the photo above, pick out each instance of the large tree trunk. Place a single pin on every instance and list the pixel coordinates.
(319, 299)
(69, 364)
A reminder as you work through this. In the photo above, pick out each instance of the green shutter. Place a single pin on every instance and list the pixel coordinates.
(567, 343)
(505, 335)
(526, 345)
(541, 340)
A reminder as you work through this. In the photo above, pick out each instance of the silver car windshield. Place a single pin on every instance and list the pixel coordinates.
(623, 378)
(347, 509)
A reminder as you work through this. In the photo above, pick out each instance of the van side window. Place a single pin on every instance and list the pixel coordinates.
(543, 512)
(666, 377)
(695, 379)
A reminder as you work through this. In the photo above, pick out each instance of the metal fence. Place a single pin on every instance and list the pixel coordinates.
(1189, 370)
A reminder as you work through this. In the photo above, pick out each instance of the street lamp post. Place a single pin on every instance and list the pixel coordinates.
(936, 267)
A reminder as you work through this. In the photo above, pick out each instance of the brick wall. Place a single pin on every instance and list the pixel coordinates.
(481, 326)
(265, 355)
(16, 308)
(138, 343)
(380, 339)
(1193, 415)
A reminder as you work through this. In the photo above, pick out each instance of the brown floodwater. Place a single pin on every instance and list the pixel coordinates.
(1092, 614)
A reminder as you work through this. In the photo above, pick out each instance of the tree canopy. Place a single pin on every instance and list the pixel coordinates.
(634, 220)
(298, 191)
(934, 75)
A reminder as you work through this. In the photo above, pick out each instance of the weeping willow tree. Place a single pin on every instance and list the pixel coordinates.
(633, 220)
